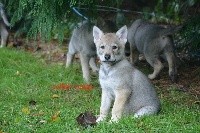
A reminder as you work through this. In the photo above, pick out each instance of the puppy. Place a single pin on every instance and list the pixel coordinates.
(3, 23)
(121, 83)
(152, 40)
(82, 42)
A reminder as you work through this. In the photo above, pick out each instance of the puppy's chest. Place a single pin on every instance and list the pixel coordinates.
(109, 78)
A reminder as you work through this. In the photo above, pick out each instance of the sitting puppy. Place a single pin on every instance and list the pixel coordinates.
(3, 23)
(152, 40)
(82, 42)
(130, 89)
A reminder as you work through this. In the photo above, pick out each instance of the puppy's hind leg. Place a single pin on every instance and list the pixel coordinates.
(146, 110)
(4, 34)
(171, 59)
(85, 66)
(70, 57)
(156, 64)
(134, 55)
(93, 65)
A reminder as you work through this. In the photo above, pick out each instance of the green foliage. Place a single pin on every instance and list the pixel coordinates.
(172, 11)
(190, 34)
(44, 17)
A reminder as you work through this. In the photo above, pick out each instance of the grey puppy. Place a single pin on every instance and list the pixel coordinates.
(82, 42)
(153, 40)
(121, 83)
(3, 23)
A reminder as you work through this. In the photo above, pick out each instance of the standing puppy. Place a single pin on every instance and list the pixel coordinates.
(130, 89)
(153, 40)
(82, 42)
(3, 23)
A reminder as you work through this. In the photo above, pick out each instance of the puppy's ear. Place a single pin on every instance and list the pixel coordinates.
(122, 34)
(97, 34)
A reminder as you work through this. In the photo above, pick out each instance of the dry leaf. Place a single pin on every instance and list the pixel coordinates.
(63, 86)
(86, 119)
(55, 96)
(55, 117)
(26, 110)
(86, 87)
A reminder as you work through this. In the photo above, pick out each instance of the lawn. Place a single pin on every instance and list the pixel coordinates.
(30, 102)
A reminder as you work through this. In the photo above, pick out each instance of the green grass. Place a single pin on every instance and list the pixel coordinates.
(24, 78)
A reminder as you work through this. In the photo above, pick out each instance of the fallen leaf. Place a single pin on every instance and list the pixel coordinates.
(62, 86)
(86, 119)
(56, 117)
(55, 96)
(26, 110)
(87, 87)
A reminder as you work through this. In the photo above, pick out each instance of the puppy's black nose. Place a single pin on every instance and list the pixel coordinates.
(107, 56)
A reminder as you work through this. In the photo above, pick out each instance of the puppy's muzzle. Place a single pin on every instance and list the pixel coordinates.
(107, 57)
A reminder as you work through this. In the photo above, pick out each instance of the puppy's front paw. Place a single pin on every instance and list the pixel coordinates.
(151, 76)
(173, 77)
(100, 118)
(114, 119)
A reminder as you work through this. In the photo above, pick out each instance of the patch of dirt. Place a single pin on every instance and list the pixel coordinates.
(50, 52)
(188, 80)
(188, 77)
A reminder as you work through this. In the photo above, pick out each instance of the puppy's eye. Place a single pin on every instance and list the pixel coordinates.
(114, 47)
(102, 47)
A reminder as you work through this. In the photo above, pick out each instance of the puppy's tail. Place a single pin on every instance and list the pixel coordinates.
(170, 31)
